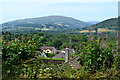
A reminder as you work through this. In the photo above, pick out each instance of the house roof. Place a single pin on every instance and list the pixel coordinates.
(60, 55)
(63, 49)
(47, 47)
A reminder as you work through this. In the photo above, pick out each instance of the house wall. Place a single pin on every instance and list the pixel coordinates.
(48, 51)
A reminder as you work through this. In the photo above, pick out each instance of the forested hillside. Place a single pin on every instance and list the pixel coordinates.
(107, 24)
(58, 24)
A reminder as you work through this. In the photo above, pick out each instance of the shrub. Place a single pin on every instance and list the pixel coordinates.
(50, 54)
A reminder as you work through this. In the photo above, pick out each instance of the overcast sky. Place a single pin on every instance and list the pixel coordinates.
(89, 10)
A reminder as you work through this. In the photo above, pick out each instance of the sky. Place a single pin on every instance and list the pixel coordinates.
(89, 10)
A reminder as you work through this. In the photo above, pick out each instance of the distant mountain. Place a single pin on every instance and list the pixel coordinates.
(93, 22)
(107, 24)
(45, 23)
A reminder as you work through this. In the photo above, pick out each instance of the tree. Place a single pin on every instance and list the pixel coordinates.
(57, 43)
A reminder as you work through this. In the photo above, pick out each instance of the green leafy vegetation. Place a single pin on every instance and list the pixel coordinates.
(50, 54)
(98, 56)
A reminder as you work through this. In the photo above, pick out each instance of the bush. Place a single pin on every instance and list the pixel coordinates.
(50, 54)
(95, 56)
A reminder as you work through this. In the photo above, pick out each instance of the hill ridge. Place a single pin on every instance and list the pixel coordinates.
(53, 21)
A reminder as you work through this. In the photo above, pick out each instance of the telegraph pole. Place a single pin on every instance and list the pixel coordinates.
(70, 43)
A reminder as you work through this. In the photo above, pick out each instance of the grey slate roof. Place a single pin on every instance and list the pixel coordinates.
(47, 47)
(60, 55)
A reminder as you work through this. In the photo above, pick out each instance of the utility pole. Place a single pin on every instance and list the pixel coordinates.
(70, 43)
(70, 46)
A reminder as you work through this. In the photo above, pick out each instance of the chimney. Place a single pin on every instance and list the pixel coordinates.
(66, 54)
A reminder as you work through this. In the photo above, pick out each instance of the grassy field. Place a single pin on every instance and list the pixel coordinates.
(99, 30)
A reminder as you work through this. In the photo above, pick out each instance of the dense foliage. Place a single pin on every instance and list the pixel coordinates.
(99, 57)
